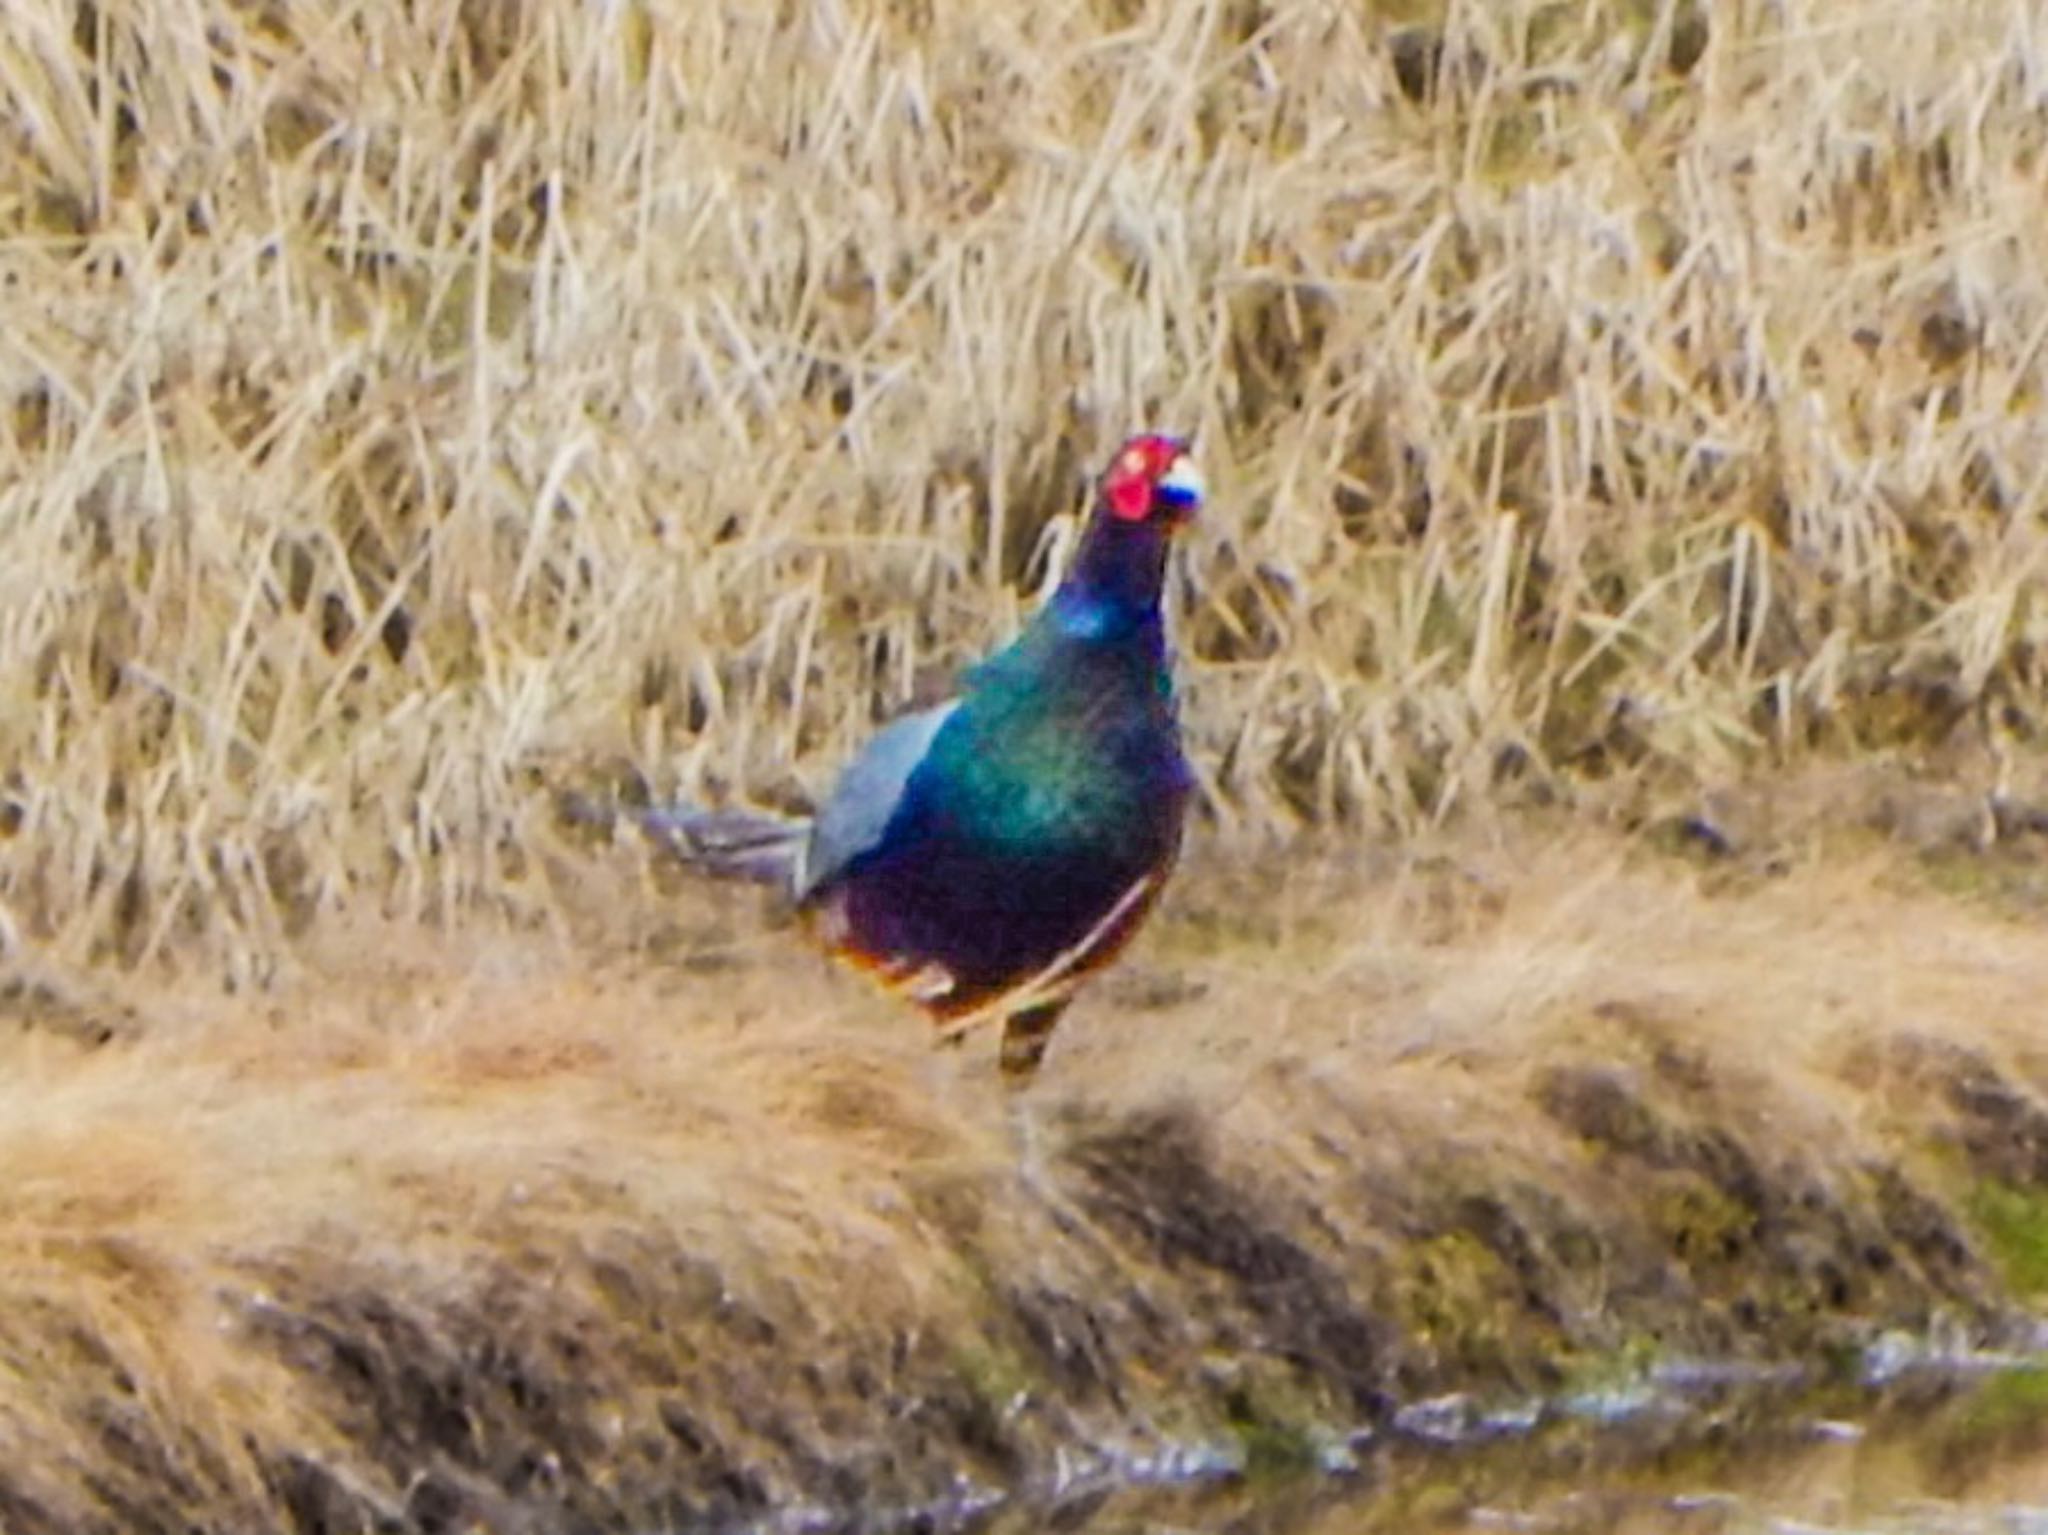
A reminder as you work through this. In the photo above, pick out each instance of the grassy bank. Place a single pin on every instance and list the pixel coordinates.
(626, 1227)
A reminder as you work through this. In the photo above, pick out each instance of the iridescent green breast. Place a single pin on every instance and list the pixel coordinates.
(1081, 759)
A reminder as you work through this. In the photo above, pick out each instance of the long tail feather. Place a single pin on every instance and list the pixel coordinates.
(753, 845)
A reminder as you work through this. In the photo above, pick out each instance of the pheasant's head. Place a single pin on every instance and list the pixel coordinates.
(1148, 491)
(1152, 480)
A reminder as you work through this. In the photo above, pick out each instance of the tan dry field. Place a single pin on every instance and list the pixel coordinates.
(414, 409)
(1625, 421)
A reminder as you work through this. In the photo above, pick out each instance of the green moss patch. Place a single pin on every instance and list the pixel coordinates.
(2014, 1224)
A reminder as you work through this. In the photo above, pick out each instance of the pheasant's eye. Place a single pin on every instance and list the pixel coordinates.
(1134, 463)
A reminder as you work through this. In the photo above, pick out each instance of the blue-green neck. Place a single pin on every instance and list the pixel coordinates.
(1112, 589)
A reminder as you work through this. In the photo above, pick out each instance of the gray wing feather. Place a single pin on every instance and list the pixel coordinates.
(853, 818)
(741, 843)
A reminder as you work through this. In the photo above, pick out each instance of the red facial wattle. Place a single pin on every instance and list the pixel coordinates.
(1134, 476)
(1130, 497)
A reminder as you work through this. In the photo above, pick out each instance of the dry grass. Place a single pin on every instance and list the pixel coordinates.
(402, 1240)
(409, 410)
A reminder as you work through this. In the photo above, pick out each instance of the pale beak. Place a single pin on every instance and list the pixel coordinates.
(1181, 488)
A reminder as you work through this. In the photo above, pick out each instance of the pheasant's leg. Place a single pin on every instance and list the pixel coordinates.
(1025, 1036)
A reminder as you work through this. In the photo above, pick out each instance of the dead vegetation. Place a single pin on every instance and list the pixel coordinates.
(409, 411)
(526, 1235)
